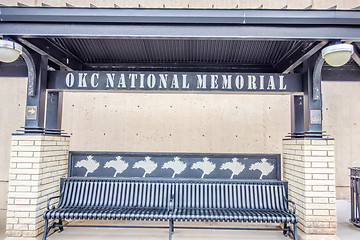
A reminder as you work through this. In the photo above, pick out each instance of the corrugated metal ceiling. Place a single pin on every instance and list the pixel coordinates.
(177, 50)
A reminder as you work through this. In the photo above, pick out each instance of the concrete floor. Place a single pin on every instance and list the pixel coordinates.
(346, 231)
(155, 234)
(2, 224)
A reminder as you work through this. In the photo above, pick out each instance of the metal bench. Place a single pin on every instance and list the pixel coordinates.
(173, 200)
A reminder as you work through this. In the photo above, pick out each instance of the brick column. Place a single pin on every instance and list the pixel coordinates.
(309, 167)
(37, 163)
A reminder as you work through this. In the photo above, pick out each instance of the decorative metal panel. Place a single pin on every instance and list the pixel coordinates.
(175, 165)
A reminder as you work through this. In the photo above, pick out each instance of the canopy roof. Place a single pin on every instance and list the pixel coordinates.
(199, 39)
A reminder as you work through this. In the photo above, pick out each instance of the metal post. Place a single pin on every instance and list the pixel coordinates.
(307, 109)
(54, 112)
(297, 112)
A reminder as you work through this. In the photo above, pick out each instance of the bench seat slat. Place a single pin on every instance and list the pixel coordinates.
(193, 200)
(237, 215)
(109, 213)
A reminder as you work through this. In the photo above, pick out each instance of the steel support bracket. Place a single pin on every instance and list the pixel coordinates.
(31, 91)
(316, 94)
(356, 55)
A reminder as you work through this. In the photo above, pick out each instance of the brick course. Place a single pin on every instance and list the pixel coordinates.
(37, 164)
(309, 167)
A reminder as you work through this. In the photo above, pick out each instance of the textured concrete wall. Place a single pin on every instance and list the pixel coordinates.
(266, 4)
(12, 97)
(176, 122)
(342, 121)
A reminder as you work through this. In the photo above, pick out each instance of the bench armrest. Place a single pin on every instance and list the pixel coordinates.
(293, 210)
(48, 202)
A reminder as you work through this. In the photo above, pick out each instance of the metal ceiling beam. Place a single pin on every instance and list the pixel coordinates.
(55, 54)
(14, 69)
(179, 16)
(344, 73)
(248, 32)
(298, 55)
(141, 66)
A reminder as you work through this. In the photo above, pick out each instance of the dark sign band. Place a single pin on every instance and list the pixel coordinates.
(170, 81)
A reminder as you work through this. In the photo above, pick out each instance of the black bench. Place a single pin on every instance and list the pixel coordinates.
(173, 200)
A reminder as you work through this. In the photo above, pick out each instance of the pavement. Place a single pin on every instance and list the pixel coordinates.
(346, 231)
(2, 223)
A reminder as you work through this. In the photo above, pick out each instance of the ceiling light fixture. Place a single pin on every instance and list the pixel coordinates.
(338, 54)
(9, 51)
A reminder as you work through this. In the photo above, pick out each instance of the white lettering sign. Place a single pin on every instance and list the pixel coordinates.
(251, 82)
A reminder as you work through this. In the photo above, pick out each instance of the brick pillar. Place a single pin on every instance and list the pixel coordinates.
(37, 163)
(309, 167)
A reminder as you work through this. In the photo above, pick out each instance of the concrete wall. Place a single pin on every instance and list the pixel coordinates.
(176, 122)
(266, 4)
(13, 100)
(342, 121)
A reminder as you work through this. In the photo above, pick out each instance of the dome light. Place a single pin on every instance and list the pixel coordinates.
(338, 54)
(9, 51)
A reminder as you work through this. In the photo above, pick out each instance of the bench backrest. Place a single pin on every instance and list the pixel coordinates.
(239, 195)
(81, 192)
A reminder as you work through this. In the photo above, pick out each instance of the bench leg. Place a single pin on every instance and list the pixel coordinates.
(171, 228)
(61, 223)
(46, 229)
(285, 232)
(295, 232)
(53, 225)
